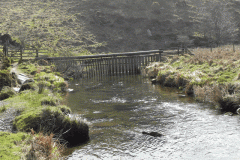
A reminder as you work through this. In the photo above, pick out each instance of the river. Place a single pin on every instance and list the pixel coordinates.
(118, 109)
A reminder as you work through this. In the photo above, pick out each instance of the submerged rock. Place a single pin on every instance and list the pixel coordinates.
(154, 134)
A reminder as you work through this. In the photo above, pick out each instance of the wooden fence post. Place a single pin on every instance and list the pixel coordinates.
(5, 48)
(233, 47)
(160, 55)
(36, 52)
(21, 52)
(178, 50)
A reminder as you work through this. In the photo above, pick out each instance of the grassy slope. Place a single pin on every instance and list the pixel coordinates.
(47, 24)
(211, 76)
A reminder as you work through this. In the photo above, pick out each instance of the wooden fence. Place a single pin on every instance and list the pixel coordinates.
(96, 65)
(20, 52)
(109, 64)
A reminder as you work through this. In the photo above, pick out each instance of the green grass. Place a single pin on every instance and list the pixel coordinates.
(11, 145)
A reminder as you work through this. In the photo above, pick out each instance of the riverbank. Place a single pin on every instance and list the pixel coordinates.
(212, 77)
(35, 121)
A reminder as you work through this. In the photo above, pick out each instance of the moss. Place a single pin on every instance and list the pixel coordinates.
(28, 120)
(11, 145)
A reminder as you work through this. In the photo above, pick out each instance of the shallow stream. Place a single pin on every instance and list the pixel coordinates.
(119, 109)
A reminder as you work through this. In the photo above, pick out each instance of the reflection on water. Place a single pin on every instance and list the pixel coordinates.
(119, 109)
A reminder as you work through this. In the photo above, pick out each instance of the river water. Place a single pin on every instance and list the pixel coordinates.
(119, 109)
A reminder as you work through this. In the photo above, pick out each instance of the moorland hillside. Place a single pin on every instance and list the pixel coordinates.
(90, 26)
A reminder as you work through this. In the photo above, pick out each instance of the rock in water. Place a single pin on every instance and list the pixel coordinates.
(154, 134)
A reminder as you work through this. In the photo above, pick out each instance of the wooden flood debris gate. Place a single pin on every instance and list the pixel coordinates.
(115, 64)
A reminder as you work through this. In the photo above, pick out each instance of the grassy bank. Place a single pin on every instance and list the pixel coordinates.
(42, 122)
(209, 76)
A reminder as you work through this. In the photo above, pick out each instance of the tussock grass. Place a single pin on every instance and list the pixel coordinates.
(210, 76)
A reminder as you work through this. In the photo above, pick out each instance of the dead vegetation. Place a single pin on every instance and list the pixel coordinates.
(43, 147)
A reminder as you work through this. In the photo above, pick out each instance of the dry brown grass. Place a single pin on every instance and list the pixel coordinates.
(208, 93)
(44, 147)
(225, 54)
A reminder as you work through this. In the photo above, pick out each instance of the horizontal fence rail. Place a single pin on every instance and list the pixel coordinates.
(102, 55)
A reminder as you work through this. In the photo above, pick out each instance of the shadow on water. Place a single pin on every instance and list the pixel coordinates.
(120, 108)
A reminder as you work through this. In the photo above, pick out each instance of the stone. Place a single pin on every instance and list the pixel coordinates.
(154, 81)
(154, 134)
